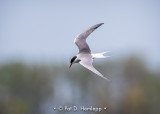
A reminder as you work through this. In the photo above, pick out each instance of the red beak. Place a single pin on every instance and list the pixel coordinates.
(70, 65)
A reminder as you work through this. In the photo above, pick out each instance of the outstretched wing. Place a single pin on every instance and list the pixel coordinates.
(80, 41)
(88, 64)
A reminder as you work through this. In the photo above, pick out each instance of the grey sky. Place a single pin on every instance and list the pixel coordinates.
(45, 30)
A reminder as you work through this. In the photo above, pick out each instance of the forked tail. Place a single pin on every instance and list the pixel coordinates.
(100, 55)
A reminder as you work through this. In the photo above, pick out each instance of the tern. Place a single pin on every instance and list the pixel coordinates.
(85, 57)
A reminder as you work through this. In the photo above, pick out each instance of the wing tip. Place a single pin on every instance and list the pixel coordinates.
(97, 25)
(106, 78)
(100, 24)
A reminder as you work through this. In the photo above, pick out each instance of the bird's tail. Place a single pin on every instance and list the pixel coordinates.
(100, 55)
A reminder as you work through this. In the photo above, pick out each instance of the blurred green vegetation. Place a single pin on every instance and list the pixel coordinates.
(35, 89)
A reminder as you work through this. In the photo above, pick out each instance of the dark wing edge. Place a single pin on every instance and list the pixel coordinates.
(80, 41)
(91, 29)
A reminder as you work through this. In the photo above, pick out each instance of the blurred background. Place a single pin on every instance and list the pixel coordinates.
(36, 45)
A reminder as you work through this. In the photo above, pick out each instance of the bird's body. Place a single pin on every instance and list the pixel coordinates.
(85, 57)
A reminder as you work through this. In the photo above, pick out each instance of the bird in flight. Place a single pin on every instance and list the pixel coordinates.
(85, 57)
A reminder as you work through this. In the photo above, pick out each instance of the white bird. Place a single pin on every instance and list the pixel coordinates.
(84, 57)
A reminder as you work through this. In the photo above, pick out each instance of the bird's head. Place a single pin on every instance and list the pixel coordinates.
(72, 61)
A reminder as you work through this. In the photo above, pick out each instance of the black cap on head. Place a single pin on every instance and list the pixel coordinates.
(72, 60)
